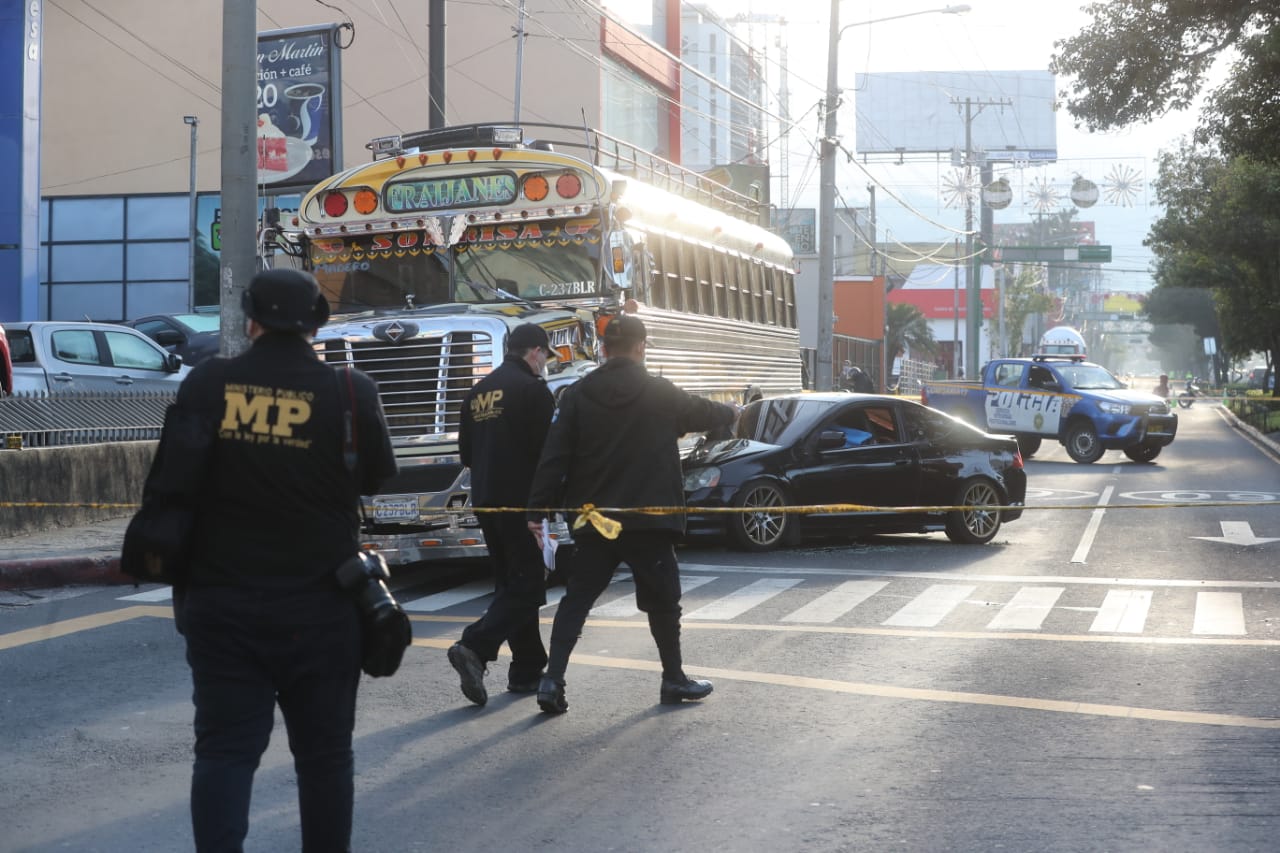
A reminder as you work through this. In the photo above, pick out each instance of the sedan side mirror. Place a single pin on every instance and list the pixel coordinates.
(830, 439)
(173, 363)
(168, 337)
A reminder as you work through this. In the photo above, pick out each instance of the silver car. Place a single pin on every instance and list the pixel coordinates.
(61, 356)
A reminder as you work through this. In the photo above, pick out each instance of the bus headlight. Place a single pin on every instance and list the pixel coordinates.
(701, 478)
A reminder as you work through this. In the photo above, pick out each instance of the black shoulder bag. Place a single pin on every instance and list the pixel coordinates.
(157, 542)
(385, 630)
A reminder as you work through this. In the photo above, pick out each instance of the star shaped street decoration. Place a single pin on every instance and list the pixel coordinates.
(959, 187)
(1043, 195)
(1122, 185)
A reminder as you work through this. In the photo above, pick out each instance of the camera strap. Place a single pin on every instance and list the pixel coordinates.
(350, 432)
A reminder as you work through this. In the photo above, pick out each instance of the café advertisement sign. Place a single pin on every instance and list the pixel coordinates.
(299, 107)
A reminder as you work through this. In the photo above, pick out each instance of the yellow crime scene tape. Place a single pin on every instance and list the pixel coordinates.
(610, 528)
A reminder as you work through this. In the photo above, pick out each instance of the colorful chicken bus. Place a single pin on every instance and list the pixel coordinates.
(450, 238)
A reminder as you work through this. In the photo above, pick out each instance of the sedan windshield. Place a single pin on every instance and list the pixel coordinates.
(782, 421)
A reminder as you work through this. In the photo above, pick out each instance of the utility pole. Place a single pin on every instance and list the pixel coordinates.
(826, 222)
(193, 122)
(520, 15)
(973, 292)
(435, 64)
(871, 257)
(239, 167)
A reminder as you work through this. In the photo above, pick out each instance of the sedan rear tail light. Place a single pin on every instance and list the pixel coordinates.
(1017, 459)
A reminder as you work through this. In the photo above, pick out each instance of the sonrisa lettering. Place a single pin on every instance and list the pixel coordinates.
(265, 415)
(484, 406)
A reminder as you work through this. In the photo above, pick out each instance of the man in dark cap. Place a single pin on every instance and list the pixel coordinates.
(260, 447)
(612, 443)
(504, 422)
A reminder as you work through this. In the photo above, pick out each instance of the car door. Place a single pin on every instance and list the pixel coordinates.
(1029, 403)
(75, 360)
(882, 470)
(137, 362)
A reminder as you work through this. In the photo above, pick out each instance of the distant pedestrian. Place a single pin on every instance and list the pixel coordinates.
(1162, 388)
(612, 443)
(260, 457)
(504, 422)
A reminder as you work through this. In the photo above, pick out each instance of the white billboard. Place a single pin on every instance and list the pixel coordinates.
(1011, 113)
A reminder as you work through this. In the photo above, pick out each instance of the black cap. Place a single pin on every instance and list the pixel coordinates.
(529, 336)
(288, 300)
(625, 329)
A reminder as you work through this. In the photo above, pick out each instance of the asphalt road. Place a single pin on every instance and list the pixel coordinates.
(1095, 679)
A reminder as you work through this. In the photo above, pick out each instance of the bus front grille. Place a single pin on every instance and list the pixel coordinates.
(421, 381)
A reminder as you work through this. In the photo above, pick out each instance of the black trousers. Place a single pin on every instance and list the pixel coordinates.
(249, 650)
(519, 590)
(651, 556)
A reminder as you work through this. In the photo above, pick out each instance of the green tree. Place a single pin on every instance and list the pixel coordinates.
(1219, 232)
(1138, 59)
(1024, 296)
(906, 328)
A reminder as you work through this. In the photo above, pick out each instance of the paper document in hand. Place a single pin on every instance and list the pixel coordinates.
(548, 546)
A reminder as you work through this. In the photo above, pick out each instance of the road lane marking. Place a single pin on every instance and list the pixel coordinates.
(448, 598)
(930, 607)
(740, 601)
(1027, 610)
(833, 604)
(888, 691)
(978, 578)
(1123, 611)
(1091, 530)
(1219, 613)
(626, 605)
(66, 627)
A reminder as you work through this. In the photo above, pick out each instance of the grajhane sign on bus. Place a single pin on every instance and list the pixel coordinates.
(299, 107)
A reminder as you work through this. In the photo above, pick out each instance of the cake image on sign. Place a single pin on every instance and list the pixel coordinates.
(273, 150)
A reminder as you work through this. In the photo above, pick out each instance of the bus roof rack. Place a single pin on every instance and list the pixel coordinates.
(594, 146)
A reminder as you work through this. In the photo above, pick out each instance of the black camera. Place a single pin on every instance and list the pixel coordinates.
(365, 577)
(385, 630)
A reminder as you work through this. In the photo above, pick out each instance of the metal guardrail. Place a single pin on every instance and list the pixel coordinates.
(1261, 413)
(44, 419)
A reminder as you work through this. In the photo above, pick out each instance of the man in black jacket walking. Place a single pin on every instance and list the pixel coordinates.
(504, 422)
(612, 443)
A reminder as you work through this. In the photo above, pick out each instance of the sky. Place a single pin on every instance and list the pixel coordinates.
(995, 35)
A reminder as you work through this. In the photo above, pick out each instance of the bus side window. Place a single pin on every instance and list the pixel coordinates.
(688, 279)
(761, 291)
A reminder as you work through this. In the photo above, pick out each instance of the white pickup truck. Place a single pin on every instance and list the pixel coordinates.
(60, 356)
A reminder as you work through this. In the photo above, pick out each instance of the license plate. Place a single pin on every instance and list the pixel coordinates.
(395, 509)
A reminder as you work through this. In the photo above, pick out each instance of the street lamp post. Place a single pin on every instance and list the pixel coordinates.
(827, 191)
(194, 122)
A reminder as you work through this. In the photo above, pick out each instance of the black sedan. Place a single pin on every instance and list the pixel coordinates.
(871, 450)
(192, 336)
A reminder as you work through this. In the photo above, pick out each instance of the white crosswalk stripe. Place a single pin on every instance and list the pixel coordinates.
(448, 598)
(830, 606)
(1027, 610)
(929, 608)
(1219, 613)
(1123, 611)
(626, 605)
(736, 603)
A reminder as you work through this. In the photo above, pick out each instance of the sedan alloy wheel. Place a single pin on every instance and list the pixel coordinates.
(765, 529)
(975, 526)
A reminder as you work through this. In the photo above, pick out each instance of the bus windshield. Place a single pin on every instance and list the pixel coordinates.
(531, 261)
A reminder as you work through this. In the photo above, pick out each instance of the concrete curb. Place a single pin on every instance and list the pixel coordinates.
(49, 572)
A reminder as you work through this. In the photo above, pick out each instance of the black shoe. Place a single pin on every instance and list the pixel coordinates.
(471, 670)
(675, 692)
(551, 696)
(524, 685)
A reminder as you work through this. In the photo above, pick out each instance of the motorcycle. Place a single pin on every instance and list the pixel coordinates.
(1189, 394)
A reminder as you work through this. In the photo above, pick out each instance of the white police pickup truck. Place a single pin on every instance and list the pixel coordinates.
(1063, 398)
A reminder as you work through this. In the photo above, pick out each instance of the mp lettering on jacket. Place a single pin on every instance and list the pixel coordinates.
(264, 415)
(484, 406)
